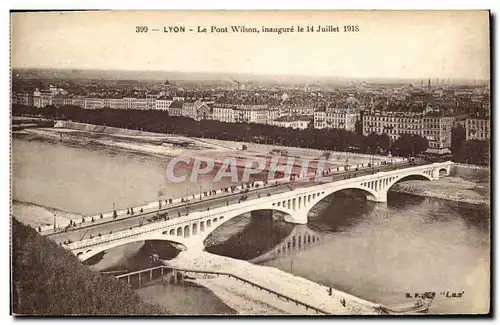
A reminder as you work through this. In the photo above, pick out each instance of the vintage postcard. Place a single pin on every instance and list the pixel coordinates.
(311, 163)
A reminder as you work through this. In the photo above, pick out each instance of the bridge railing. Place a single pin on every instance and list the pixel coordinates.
(229, 275)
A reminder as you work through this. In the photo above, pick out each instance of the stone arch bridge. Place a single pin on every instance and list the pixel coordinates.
(191, 230)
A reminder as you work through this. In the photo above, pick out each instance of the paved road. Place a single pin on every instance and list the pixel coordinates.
(172, 211)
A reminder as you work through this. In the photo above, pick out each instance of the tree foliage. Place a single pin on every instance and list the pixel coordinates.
(476, 152)
(410, 145)
(458, 143)
(49, 280)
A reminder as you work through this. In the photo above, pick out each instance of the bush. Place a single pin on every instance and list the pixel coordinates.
(49, 280)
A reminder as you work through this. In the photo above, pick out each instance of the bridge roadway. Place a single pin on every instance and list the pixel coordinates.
(93, 229)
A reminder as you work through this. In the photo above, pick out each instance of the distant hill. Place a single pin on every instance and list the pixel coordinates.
(35, 73)
(29, 73)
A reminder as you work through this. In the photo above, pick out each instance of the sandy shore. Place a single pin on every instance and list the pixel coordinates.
(248, 300)
(449, 188)
(36, 215)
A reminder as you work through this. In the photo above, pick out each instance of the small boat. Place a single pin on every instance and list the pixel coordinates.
(420, 306)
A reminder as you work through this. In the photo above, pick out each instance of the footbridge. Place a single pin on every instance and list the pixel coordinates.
(191, 230)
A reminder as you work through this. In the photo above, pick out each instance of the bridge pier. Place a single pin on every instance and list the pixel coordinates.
(298, 217)
(380, 197)
(435, 174)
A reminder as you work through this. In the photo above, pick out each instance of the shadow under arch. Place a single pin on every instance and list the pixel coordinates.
(249, 234)
(443, 172)
(133, 256)
(101, 251)
(340, 210)
(414, 177)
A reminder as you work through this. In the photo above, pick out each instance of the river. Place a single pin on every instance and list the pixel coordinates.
(379, 252)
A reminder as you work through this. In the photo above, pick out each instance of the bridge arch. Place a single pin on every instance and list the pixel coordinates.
(426, 175)
(86, 253)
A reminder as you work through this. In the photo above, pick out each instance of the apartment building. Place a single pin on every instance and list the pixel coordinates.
(78, 101)
(42, 98)
(437, 131)
(477, 129)
(435, 127)
(336, 120)
(162, 104)
(114, 103)
(223, 113)
(22, 99)
(294, 122)
(175, 108)
(94, 103)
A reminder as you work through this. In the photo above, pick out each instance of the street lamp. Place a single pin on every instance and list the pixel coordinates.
(159, 195)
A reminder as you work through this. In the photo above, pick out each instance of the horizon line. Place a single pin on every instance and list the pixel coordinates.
(432, 78)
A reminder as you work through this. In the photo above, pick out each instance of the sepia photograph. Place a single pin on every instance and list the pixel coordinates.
(250, 163)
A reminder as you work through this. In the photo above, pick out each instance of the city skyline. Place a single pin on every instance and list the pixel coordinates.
(439, 44)
(187, 76)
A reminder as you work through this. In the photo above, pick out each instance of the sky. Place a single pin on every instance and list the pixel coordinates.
(390, 44)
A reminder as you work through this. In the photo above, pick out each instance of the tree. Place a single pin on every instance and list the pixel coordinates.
(477, 152)
(358, 127)
(458, 137)
(410, 144)
(384, 142)
(420, 144)
(372, 142)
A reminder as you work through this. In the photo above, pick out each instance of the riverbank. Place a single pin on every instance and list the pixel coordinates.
(168, 145)
(40, 216)
(451, 188)
(247, 300)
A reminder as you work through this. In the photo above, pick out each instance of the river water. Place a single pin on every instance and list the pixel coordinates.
(379, 252)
